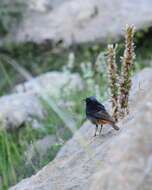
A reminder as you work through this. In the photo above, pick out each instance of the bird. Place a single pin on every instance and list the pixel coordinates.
(98, 115)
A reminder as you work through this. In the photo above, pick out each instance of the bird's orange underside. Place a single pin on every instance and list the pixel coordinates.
(102, 122)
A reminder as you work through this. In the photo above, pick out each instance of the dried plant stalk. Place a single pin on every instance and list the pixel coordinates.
(113, 79)
(127, 65)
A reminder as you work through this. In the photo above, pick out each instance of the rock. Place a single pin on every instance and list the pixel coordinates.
(44, 5)
(25, 105)
(16, 109)
(81, 21)
(40, 147)
(52, 83)
(116, 160)
(140, 84)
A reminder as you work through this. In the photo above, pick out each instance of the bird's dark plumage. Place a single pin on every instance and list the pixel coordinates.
(97, 113)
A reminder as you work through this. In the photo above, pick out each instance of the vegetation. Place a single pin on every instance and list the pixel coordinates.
(127, 67)
(14, 163)
(113, 80)
(120, 86)
(10, 15)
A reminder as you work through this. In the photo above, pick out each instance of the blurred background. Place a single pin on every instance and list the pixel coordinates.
(52, 56)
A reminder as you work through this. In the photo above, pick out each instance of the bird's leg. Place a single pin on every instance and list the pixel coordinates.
(96, 130)
(101, 129)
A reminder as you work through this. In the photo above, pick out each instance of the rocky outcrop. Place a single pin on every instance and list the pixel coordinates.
(25, 105)
(52, 83)
(40, 148)
(73, 21)
(114, 160)
(79, 21)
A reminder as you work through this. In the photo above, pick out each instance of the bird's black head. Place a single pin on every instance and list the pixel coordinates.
(93, 104)
(90, 99)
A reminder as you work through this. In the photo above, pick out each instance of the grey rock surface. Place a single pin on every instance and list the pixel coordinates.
(115, 160)
(25, 105)
(76, 21)
(16, 109)
(52, 82)
(40, 147)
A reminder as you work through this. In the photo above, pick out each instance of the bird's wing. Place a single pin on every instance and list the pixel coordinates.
(103, 115)
(99, 105)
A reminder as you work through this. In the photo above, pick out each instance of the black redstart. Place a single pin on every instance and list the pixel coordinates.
(97, 114)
